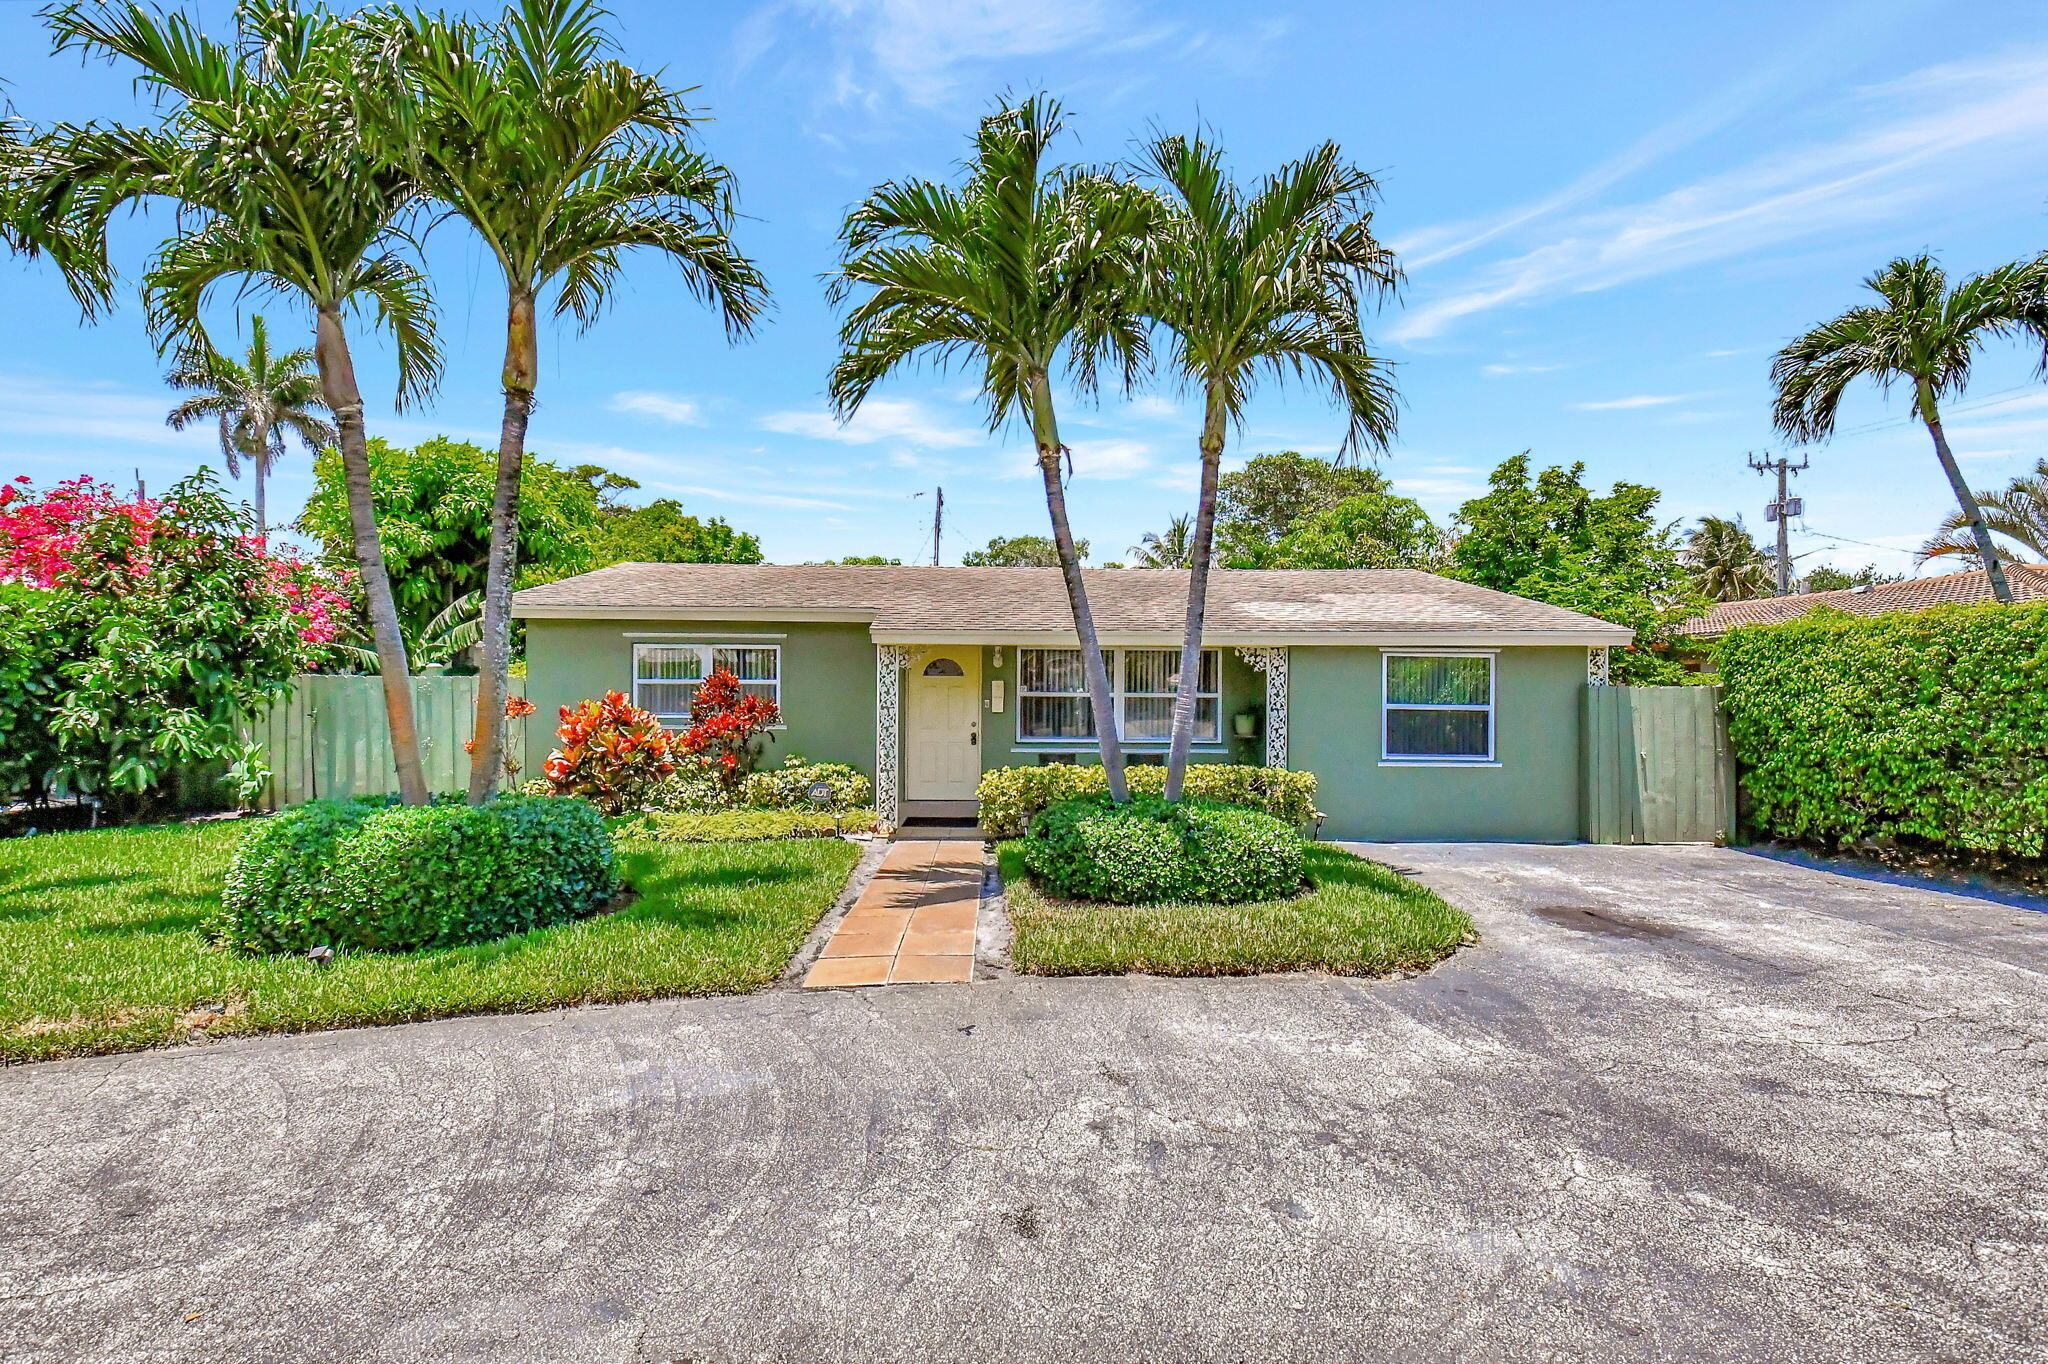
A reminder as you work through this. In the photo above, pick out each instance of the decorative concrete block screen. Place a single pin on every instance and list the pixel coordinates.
(331, 738)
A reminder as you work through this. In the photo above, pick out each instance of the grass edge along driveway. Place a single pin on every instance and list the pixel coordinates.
(1360, 919)
(100, 948)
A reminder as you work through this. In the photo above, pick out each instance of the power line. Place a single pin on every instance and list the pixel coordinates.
(1782, 510)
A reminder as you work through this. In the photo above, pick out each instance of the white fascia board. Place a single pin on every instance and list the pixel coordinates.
(1235, 639)
(694, 613)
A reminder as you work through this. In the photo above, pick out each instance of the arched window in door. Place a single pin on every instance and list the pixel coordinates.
(943, 667)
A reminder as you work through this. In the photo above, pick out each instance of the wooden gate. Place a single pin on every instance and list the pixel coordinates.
(331, 737)
(1657, 766)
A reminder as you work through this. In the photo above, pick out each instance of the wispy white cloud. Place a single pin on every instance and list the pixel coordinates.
(664, 406)
(1499, 370)
(927, 51)
(1635, 401)
(1722, 354)
(1971, 129)
(879, 419)
(96, 413)
(1103, 459)
(750, 497)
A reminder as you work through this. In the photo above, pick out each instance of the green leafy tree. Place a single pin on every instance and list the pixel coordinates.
(266, 145)
(2018, 512)
(1019, 551)
(1169, 550)
(868, 560)
(659, 532)
(1377, 530)
(564, 161)
(255, 402)
(1726, 562)
(1252, 283)
(1551, 538)
(1017, 272)
(1260, 503)
(1924, 334)
(433, 507)
(1827, 578)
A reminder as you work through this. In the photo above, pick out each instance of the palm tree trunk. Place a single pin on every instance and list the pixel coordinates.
(345, 400)
(522, 363)
(1214, 422)
(1045, 431)
(262, 524)
(1967, 500)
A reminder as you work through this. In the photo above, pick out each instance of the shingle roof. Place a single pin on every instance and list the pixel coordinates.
(2028, 582)
(1245, 606)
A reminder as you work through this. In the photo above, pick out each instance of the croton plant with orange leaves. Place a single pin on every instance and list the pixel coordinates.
(612, 754)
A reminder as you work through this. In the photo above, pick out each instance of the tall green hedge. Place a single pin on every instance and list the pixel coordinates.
(1931, 726)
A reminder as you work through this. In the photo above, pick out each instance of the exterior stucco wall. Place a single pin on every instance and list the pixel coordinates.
(828, 679)
(1532, 796)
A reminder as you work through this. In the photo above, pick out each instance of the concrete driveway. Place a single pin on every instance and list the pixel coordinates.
(1681, 1104)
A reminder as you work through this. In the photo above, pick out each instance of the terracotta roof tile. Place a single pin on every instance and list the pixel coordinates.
(1027, 600)
(2029, 582)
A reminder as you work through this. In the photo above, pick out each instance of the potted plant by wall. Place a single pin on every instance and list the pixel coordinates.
(1245, 724)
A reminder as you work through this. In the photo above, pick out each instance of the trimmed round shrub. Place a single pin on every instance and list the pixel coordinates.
(376, 877)
(1148, 850)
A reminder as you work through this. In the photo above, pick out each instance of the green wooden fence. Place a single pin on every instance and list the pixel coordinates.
(1658, 766)
(331, 737)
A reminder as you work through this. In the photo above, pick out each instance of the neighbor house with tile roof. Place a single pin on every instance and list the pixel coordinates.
(2029, 582)
(1428, 708)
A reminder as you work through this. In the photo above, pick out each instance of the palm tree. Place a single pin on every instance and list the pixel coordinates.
(255, 401)
(1265, 281)
(1725, 560)
(2018, 511)
(1016, 272)
(1171, 550)
(279, 188)
(1923, 333)
(562, 161)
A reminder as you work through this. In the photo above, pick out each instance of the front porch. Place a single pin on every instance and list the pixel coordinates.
(948, 711)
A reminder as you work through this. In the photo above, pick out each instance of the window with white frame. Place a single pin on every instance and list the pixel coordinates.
(665, 676)
(1052, 695)
(1439, 708)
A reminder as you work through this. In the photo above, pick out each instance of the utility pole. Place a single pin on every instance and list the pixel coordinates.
(938, 523)
(1782, 511)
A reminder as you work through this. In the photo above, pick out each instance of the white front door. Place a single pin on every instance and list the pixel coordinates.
(942, 726)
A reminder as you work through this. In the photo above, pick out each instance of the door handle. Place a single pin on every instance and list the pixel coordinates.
(973, 738)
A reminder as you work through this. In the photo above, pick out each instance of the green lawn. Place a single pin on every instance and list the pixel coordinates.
(1360, 919)
(100, 949)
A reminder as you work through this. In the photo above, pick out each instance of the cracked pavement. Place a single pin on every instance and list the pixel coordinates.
(1679, 1103)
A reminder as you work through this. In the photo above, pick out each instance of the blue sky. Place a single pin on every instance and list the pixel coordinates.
(1611, 215)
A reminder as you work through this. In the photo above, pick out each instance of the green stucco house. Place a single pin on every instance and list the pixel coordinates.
(1429, 709)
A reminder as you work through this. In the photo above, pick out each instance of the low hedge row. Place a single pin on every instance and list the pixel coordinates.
(1931, 726)
(372, 876)
(1012, 797)
(1147, 850)
(744, 826)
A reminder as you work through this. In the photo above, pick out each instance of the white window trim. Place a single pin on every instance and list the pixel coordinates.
(706, 652)
(1114, 660)
(1387, 708)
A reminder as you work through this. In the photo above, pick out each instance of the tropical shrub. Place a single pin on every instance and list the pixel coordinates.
(745, 826)
(726, 725)
(1011, 797)
(1929, 726)
(612, 754)
(372, 876)
(789, 786)
(1148, 850)
(690, 789)
(157, 626)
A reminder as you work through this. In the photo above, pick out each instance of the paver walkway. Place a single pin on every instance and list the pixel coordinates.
(913, 924)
